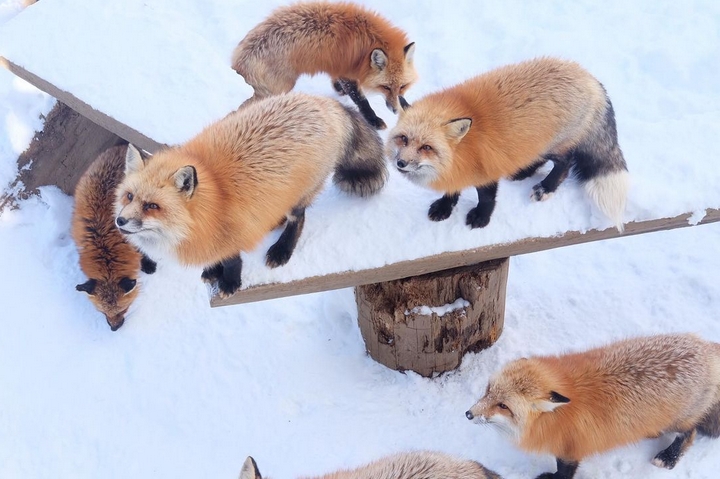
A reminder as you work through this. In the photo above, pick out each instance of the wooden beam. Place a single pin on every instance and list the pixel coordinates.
(99, 118)
(454, 259)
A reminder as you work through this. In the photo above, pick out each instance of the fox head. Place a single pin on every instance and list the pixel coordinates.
(422, 144)
(250, 470)
(152, 201)
(515, 397)
(112, 297)
(391, 76)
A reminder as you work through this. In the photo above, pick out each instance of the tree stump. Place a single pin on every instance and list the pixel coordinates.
(427, 323)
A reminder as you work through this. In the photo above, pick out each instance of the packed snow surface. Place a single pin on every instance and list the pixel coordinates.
(185, 391)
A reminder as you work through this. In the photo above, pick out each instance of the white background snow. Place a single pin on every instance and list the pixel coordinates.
(182, 390)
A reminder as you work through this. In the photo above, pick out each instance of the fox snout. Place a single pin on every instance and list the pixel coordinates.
(116, 321)
(392, 104)
(128, 225)
(469, 415)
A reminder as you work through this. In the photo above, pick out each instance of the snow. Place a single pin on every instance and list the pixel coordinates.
(441, 311)
(183, 390)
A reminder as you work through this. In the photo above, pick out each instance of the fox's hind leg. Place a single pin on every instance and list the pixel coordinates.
(710, 424)
(561, 167)
(226, 274)
(442, 208)
(351, 89)
(280, 252)
(669, 456)
(528, 171)
(565, 470)
(479, 217)
(147, 265)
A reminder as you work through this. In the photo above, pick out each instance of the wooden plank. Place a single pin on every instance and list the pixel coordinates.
(428, 264)
(99, 118)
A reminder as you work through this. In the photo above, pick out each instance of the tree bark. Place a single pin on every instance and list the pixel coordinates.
(408, 325)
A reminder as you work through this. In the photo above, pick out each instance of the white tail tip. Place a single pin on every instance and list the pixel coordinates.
(609, 192)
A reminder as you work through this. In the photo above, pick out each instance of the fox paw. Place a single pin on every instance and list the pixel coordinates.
(377, 123)
(147, 265)
(440, 209)
(338, 87)
(539, 193)
(665, 459)
(478, 217)
(226, 287)
(212, 274)
(546, 475)
(278, 255)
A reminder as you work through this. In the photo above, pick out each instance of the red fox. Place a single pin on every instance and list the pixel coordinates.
(411, 465)
(580, 404)
(357, 47)
(221, 192)
(507, 123)
(111, 264)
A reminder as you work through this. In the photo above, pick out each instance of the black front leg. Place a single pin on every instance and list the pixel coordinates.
(565, 470)
(479, 217)
(351, 88)
(147, 265)
(441, 209)
(280, 252)
(229, 282)
(669, 456)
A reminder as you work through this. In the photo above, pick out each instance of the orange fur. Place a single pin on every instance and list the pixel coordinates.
(105, 256)
(618, 394)
(315, 37)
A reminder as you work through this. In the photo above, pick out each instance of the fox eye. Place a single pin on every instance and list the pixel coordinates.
(385, 87)
(129, 196)
(426, 148)
(502, 405)
(151, 206)
(403, 87)
(403, 139)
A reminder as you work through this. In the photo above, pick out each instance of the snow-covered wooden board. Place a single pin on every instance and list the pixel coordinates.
(162, 86)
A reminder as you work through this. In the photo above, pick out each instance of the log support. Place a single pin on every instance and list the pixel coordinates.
(427, 323)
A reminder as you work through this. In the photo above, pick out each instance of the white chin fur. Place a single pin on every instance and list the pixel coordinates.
(505, 427)
(609, 193)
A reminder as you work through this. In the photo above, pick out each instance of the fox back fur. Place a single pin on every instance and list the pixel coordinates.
(580, 404)
(505, 124)
(345, 40)
(412, 465)
(224, 190)
(110, 263)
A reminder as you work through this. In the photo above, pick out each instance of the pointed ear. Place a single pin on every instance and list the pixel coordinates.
(87, 287)
(127, 284)
(409, 52)
(250, 470)
(186, 180)
(458, 128)
(555, 400)
(378, 60)
(134, 161)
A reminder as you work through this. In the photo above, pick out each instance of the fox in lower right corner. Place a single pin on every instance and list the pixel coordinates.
(409, 465)
(507, 123)
(576, 405)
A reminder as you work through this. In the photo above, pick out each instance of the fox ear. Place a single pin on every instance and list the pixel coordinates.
(458, 128)
(250, 470)
(555, 400)
(127, 284)
(378, 60)
(409, 52)
(186, 180)
(133, 160)
(87, 287)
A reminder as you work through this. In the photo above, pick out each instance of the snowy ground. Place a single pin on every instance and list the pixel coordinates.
(182, 390)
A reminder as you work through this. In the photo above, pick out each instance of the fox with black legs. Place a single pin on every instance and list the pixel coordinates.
(506, 124)
(221, 192)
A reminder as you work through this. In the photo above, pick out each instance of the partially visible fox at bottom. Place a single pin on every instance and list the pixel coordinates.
(409, 465)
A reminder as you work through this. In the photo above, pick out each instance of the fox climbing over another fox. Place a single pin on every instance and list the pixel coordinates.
(357, 47)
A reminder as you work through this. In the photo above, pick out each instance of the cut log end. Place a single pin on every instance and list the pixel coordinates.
(427, 323)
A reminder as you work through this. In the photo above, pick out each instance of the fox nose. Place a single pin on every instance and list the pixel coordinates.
(121, 221)
(469, 415)
(401, 163)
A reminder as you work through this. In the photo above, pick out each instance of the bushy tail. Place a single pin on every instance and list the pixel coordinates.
(362, 171)
(600, 165)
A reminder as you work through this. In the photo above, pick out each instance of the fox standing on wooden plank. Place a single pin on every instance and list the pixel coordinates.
(576, 405)
(506, 124)
(111, 264)
(358, 48)
(221, 192)
(412, 465)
